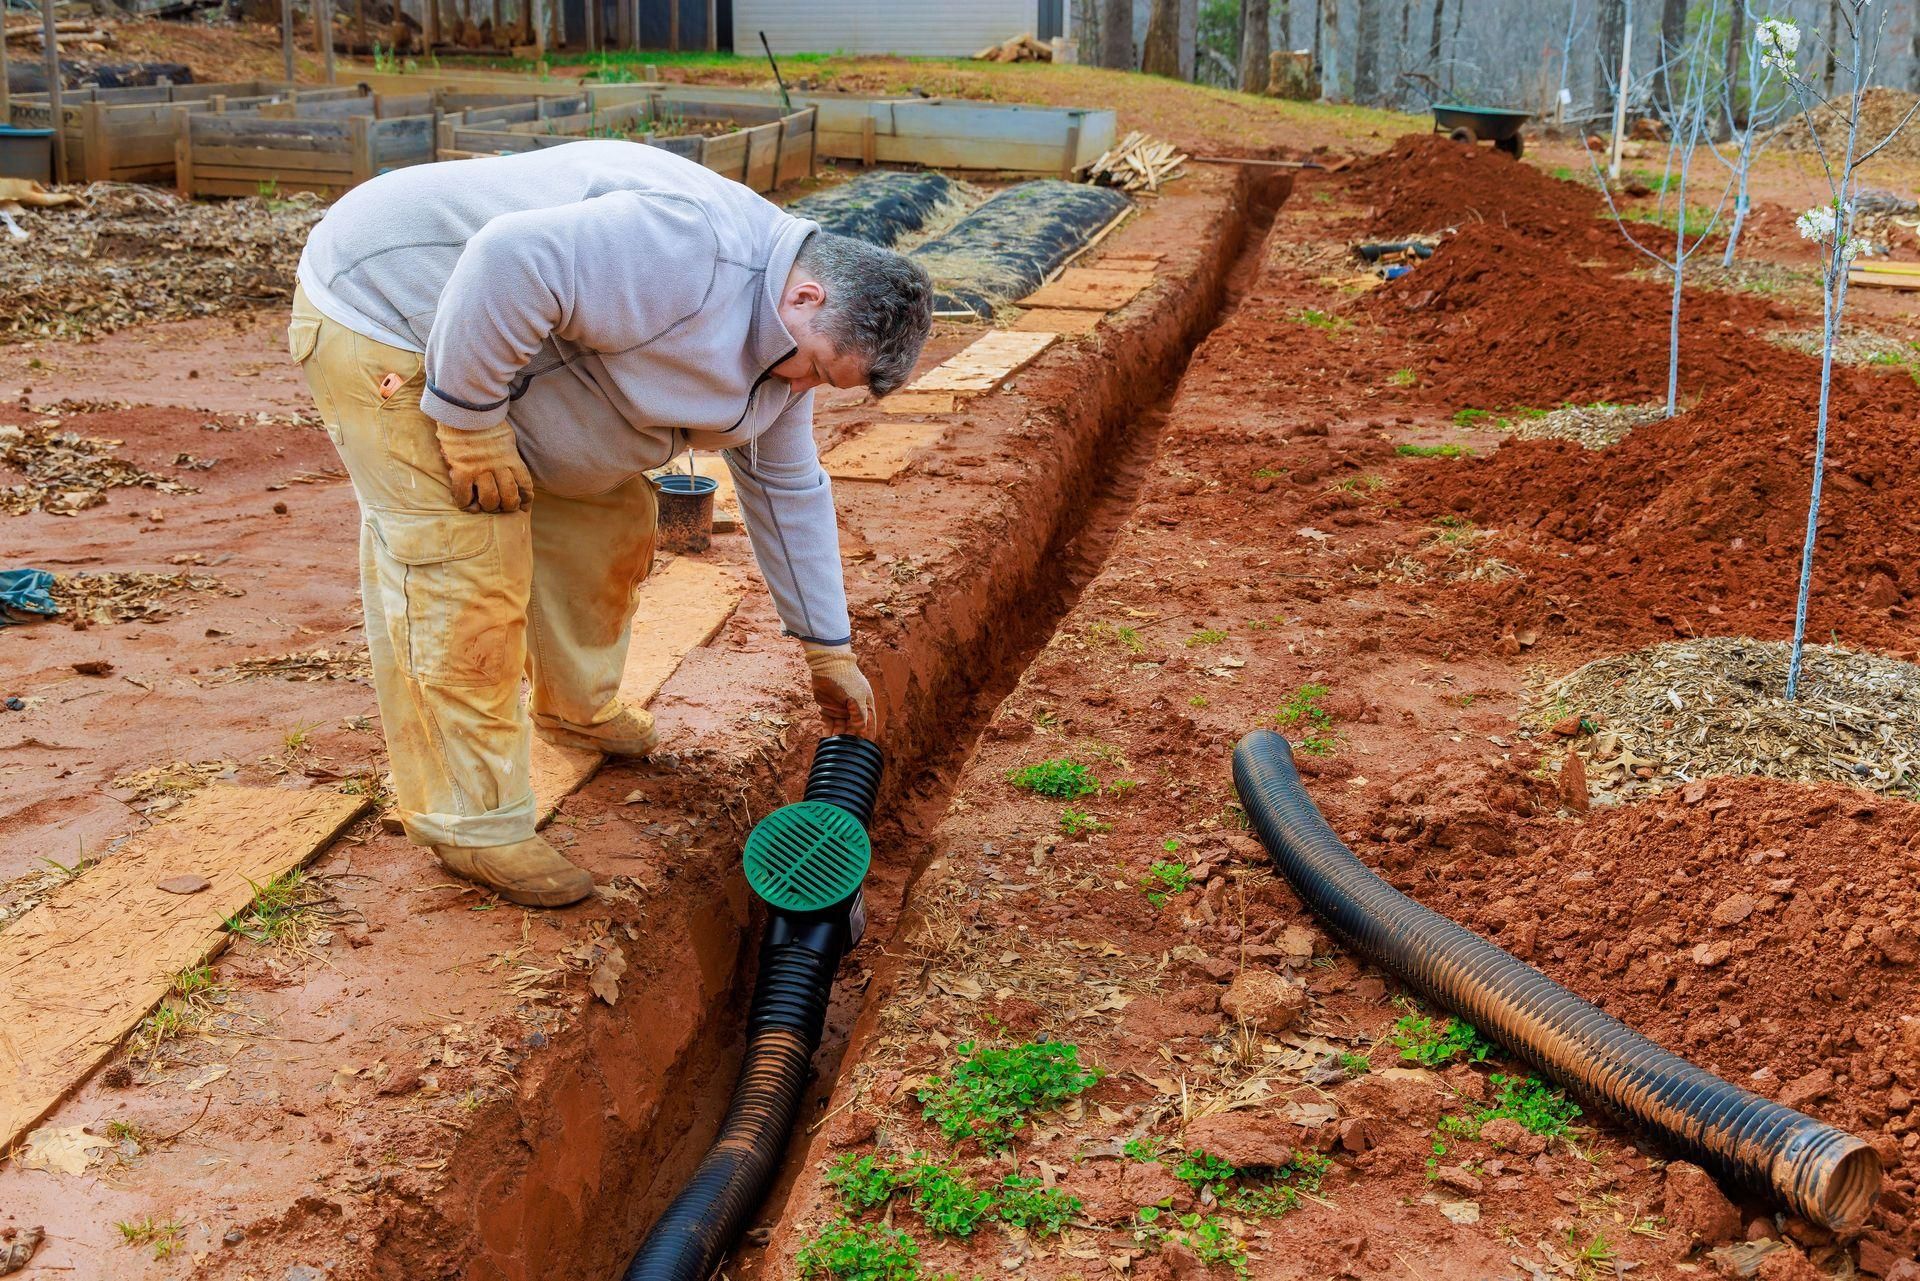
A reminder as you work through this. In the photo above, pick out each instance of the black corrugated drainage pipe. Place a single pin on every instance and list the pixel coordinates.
(806, 861)
(1826, 1175)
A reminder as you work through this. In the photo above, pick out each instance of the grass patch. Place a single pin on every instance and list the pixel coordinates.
(1455, 531)
(165, 1238)
(1403, 378)
(1433, 451)
(1074, 822)
(991, 1092)
(1697, 219)
(1539, 1107)
(1059, 779)
(1128, 638)
(1354, 1064)
(1314, 318)
(1206, 636)
(847, 1251)
(948, 1203)
(1302, 709)
(1166, 877)
(282, 910)
(1432, 1043)
(187, 1005)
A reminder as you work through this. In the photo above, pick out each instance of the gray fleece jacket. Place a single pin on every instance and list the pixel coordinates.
(617, 305)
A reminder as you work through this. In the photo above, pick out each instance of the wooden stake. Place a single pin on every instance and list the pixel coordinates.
(1620, 102)
(286, 38)
(713, 25)
(6, 95)
(324, 16)
(53, 92)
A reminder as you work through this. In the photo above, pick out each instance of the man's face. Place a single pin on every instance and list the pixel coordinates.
(816, 361)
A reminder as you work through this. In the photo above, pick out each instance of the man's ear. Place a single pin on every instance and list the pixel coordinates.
(807, 293)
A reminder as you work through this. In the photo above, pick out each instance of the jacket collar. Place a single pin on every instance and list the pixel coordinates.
(768, 341)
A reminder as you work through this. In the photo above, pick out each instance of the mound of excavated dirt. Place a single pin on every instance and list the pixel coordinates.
(1427, 183)
(1881, 110)
(1694, 524)
(1770, 931)
(1510, 321)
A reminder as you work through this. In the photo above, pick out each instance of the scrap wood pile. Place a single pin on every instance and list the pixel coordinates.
(83, 33)
(124, 253)
(1137, 163)
(1022, 48)
(67, 472)
(1687, 710)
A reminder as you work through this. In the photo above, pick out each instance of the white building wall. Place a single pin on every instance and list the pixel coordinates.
(933, 28)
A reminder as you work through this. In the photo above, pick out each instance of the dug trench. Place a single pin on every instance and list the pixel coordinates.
(445, 1096)
(1107, 1039)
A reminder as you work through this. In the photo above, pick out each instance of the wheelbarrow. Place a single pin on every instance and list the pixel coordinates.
(1481, 124)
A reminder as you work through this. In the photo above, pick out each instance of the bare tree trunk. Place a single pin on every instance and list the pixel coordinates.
(1833, 45)
(1433, 38)
(1086, 31)
(1610, 30)
(1256, 43)
(1284, 16)
(1736, 39)
(1673, 32)
(1459, 16)
(1160, 51)
(1366, 52)
(1116, 34)
(1329, 59)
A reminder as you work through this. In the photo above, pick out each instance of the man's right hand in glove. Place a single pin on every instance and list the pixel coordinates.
(485, 469)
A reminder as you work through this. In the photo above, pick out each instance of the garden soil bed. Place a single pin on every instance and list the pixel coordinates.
(1285, 565)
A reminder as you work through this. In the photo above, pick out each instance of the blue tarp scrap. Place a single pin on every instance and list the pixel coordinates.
(25, 594)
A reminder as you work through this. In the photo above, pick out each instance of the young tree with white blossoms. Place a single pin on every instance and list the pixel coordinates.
(1750, 133)
(1830, 225)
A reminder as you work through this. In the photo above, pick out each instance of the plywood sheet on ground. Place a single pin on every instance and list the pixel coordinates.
(1059, 320)
(1090, 289)
(882, 451)
(681, 607)
(984, 363)
(79, 971)
(1884, 279)
(726, 503)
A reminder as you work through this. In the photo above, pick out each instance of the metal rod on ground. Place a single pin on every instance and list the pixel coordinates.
(786, 103)
(58, 121)
(286, 37)
(1620, 103)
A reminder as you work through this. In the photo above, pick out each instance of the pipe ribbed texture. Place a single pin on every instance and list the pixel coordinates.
(798, 957)
(1824, 1174)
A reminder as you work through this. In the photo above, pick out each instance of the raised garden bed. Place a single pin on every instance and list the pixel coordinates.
(325, 147)
(764, 149)
(127, 135)
(936, 132)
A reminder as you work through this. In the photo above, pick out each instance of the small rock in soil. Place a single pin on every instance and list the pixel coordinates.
(1696, 1207)
(1811, 1088)
(1509, 1135)
(93, 667)
(1356, 1135)
(1269, 1001)
(1458, 1180)
(1145, 1183)
(188, 883)
(233, 1236)
(1461, 1212)
(1787, 1264)
(1245, 1138)
(1733, 909)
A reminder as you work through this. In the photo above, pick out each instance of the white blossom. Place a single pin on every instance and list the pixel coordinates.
(1779, 40)
(1817, 223)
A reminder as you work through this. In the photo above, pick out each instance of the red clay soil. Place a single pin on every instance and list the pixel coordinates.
(1278, 542)
(1694, 525)
(1768, 931)
(1426, 183)
(1509, 320)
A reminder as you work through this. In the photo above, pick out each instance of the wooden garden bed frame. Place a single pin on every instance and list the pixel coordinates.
(939, 133)
(127, 135)
(773, 149)
(325, 147)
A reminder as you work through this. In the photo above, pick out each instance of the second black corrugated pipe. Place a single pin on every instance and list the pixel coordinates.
(1824, 1174)
(798, 957)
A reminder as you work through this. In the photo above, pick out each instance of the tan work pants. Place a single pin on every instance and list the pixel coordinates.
(460, 604)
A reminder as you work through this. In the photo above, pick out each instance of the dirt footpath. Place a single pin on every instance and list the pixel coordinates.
(1263, 1101)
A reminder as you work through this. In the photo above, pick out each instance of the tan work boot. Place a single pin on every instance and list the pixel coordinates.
(529, 872)
(628, 732)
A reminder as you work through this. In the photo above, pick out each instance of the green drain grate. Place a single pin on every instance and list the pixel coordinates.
(807, 856)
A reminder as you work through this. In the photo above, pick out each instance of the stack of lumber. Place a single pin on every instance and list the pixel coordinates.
(1022, 48)
(81, 31)
(1137, 163)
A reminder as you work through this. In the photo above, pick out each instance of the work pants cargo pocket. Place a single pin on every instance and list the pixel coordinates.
(451, 616)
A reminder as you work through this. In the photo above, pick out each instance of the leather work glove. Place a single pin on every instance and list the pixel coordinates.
(845, 698)
(485, 468)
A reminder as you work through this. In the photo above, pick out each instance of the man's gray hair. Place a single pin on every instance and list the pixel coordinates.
(879, 304)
